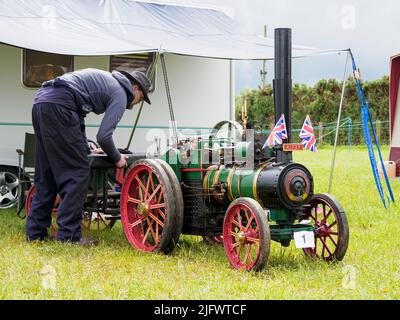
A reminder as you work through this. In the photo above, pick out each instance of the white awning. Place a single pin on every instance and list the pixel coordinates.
(105, 27)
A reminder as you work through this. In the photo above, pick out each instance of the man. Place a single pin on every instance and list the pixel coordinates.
(61, 163)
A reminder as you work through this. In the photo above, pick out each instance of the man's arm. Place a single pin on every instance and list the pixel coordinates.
(112, 116)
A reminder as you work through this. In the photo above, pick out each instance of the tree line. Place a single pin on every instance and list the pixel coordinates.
(321, 102)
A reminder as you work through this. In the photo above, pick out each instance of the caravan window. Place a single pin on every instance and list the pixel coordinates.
(42, 66)
(139, 61)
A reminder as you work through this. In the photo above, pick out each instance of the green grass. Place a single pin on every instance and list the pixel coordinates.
(195, 270)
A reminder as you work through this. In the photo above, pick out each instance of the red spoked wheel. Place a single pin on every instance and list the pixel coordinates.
(246, 235)
(331, 228)
(148, 207)
(53, 226)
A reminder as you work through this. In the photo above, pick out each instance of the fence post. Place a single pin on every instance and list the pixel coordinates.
(321, 133)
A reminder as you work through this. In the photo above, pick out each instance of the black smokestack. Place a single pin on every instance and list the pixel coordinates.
(283, 83)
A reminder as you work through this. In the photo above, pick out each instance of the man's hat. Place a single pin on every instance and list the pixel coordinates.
(141, 79)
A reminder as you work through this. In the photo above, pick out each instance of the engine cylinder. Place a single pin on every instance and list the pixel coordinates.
(272, 185)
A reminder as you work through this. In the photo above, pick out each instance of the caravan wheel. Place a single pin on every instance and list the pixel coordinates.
(9, 191)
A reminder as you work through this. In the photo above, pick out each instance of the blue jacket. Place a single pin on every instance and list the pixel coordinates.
(100, 92)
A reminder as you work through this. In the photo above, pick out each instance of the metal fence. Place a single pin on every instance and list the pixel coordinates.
(350, 133)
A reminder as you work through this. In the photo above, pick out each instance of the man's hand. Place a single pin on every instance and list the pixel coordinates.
(97, 151)
(122, 162)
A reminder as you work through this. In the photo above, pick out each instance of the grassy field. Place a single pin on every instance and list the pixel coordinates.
(196, 270)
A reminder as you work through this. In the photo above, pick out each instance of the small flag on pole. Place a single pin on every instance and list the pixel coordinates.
(278, 134)
(307, 135)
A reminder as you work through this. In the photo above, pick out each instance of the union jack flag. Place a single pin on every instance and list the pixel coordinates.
(310, 144)
(307, 135)
(278, 134)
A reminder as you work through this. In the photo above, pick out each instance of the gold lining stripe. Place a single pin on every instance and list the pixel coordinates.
(216, 176)
(229, 180)
(261, 168)
(207, 175)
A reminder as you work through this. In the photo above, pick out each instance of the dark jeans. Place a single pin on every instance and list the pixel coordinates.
(61, 167)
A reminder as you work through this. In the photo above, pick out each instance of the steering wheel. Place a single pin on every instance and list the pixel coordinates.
(226, 131)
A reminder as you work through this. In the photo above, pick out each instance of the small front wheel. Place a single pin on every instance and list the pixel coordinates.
(246, 236)
(331, 228)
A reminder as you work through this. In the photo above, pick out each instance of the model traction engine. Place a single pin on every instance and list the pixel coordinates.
(205, 186)
(221, 188)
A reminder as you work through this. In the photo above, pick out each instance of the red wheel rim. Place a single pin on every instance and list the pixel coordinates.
(143, 208)
(242, 237)
(327, 231)
(29, 198)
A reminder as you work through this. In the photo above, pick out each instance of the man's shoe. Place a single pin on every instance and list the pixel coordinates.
(41, 238)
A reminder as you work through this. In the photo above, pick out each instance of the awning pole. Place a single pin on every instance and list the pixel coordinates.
(338, 122)
(171, 109)
(151, 78)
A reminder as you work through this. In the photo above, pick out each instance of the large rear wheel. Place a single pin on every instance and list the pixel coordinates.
(148, 207)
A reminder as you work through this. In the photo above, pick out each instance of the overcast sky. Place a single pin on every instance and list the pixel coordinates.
(368, 27)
